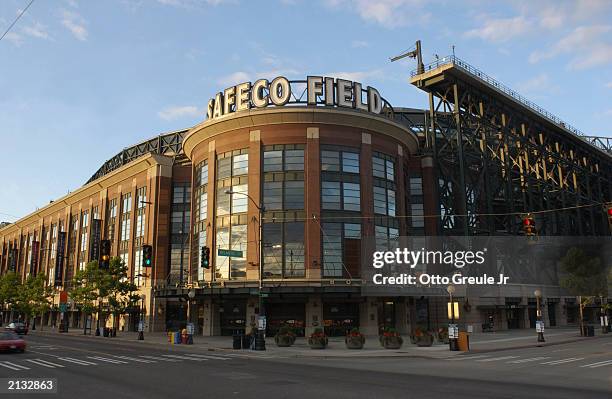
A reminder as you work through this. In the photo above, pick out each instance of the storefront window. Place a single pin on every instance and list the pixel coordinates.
(283, 250)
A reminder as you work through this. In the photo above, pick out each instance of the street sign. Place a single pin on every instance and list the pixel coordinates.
(261, 323)
(453, 331)
(190, 328)
(539, 326)
(265, 295)
(229, 252)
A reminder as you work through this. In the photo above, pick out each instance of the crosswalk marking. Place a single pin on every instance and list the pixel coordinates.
(160, 358)
(184, 357)
(533, 359)
(208, 356)
(44, 363)
(135, 359)
(107, 360)
(467, 357)
(494, 359)
(598, 364)
(13, 366)
(77, 361)
(562, 361)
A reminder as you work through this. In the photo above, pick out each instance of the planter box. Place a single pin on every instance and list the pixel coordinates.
(425, 340)
(354, 342)
(391, 342)
(317, 343)
(284, 340)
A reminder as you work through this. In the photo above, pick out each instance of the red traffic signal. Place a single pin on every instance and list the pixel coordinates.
(609, 212)
(529, 227)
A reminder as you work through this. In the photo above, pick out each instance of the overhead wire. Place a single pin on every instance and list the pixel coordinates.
(16, 19)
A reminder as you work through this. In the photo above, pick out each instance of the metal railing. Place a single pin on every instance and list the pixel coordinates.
(457, 62)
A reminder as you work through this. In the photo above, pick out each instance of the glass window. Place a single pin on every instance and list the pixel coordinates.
(224, 167)
(223, 201)
(140, 224)
(238, 242)
(378, 167)
(352, 230)
(240, 201)
(273, 161)
(222, 262)
(330, 161)
(332, 249)
(125, 229)
(241, 165)
(380, 200)
(203, 174)
(390, 202)
(330, 195)
(127, 203)
(417, 215)
(294, 160)
(201, 243)
(273, 195)
(294, 250)
(294, 194)
(416, 186)
(138, 272)
(272, 250)
(350, 162)
(352, 196)
(203, 205)
(390, 170)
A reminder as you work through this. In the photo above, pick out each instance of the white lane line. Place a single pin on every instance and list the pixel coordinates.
(561, 361)
(208, 356)
(598, 364)
(44, 363)
(467, 357)
(533, 359)
(107, 360)
(494, 359)
(186, 358)
(13, 366)
(135, 359)
(160, 358)
(77, 361)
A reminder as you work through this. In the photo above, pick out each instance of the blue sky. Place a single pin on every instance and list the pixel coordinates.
(80, 80)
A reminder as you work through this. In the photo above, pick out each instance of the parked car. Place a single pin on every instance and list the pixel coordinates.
(9, 341)
(18, 327)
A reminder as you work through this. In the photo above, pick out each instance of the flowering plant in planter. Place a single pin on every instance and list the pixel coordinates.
(442, 335)
(354, 339)
(422, 337)
(284, 337)
(391, 339)
(318, 339)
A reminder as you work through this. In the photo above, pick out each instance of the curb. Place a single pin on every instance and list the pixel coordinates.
(536, 345)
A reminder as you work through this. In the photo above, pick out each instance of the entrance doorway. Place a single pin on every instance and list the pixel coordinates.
(513, 317)
(340, 318)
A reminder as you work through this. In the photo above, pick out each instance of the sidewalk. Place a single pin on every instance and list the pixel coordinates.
(479, 342)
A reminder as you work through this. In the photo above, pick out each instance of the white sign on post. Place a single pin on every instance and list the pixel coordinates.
(261, 323)
(190, 328)
(539, 326)
(141, 326)
(453, 331)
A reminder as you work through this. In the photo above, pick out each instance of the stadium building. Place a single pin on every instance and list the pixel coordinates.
(284, 179)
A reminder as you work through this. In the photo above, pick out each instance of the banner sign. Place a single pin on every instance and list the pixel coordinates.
(94, 242)
(34, 258)
(59, 257)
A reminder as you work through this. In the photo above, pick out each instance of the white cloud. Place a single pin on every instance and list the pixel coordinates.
(172, 113)
(539, 85)
(388, 13)
(500, 29)
(75, 24)
(234, 78)
(14, 38)
(244, 76)
(36, 30)
(192, 3)
(585, 46)
(359, 44)
(357, 76)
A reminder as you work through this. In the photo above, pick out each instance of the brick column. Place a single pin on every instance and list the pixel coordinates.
(367, 191)
(312, 201)
(255, 182)
(430, 192)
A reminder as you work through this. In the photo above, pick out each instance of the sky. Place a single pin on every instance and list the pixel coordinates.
(81, 80)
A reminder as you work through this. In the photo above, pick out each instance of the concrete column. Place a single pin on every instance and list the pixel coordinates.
(212, 322)
(402, 320)
(314, 314)
(368, 316)
(312, 202)
(251, 316)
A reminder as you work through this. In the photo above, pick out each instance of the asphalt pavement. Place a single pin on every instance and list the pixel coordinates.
(103, 368)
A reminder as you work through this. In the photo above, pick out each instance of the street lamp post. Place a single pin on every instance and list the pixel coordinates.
(260, 340)
(539, 322)
(603, 316)
(452, 342)
(190, 295)
(141, 319)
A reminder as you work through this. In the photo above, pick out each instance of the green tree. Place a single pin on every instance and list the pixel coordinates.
(121, 293)
(87, 288)
(585, 277)
(36, 296)
(10, 288)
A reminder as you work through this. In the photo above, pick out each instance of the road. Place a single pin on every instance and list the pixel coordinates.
(92, 368)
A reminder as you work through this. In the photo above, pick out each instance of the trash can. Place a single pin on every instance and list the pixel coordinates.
(105, 332)
(236, 341)
(463, 341)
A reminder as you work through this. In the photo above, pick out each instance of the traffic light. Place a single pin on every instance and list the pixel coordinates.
(147, 255)
(609, 213)
(105, 248)
(205, 258)
(529, 227)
